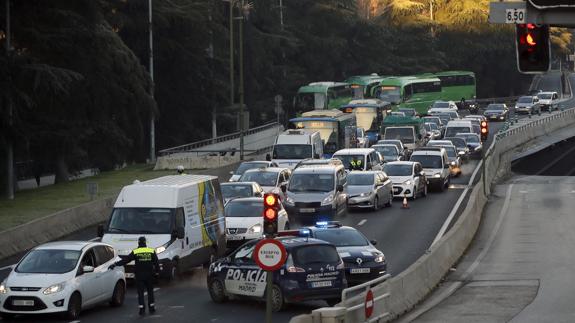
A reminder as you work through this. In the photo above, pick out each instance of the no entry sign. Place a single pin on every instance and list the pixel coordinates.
(270, 254)
(368, 304)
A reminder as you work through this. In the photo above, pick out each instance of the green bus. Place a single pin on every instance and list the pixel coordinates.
(456, 85)
(321, 95)
(363, 84)
(409, 92)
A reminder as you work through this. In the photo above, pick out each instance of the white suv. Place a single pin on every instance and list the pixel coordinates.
(64, 276)
(548, 100)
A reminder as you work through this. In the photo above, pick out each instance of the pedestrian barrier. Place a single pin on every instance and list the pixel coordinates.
(399, 294)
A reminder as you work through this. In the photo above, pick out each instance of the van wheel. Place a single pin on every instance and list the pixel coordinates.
(278, 302)
(118, 295)
(217, 291)
(74, 307)
(174, 271)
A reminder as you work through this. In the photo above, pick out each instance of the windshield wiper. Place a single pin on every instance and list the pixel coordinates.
(119, 229)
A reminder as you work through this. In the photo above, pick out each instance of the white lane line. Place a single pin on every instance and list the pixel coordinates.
(456, 207)
(177, 306)
(362, 222)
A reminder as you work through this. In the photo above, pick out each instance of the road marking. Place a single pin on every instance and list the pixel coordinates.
(362, 222)
(456, 207)
(177, 306)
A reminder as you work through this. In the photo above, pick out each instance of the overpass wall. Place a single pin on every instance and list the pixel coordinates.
(414, 284)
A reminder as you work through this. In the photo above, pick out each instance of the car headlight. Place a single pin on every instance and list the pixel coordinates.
(256, 228)
(3, 289)
(327, 200)
(437, 175)
(461, 153)
(54, 289)
(289, 201)
(408, 182)
(365, 194)
(453, 163)
(379, 258)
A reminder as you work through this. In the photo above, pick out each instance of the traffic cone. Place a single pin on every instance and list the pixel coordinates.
(404, 205)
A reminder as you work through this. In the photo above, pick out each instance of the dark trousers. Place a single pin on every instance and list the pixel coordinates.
(145, 284)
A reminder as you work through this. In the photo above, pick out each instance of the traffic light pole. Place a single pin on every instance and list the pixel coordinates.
(269, 287)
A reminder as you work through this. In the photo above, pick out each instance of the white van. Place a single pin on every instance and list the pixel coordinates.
(370, 158)
(181, 216)
(458, 126)
(293, 146)
(435, 163)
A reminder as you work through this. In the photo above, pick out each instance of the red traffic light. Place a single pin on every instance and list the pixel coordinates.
(484, 124)
(483, 130)
(270, 214)
(270, 200)
(533, 48)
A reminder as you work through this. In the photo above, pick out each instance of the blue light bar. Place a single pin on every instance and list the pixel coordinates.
(322, 223)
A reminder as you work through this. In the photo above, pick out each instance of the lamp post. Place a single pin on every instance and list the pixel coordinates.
(151, 70)
(10, 144)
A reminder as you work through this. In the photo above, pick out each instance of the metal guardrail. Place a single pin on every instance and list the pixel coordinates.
(202, 143)
(353, 298)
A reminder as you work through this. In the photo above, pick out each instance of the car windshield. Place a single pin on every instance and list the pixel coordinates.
(245, 166)
(141, 220)
(359, 132)
(398, 170)
(342, 237)
(315, 254)
(453, 115)
(390, 151)
(49, 261)
(346, 159)
(436, 121)
(230, 191)
(291, 152)
(525, 99)
(404, 134)
(242, 209)
(261, 177)
(458, 142)
(470, 138)
(360, 179)
(450, 151)
(495, 107)
(444, 118)
(427, 161)
(390, 142)
(311, 183)
(441, 105)
(452, 131)
(545, 96)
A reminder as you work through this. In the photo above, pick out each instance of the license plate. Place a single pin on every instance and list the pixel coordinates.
(21, 302)
(359, 270)
(129, 275)
(307, 210)
(234, 237)
(326, 283)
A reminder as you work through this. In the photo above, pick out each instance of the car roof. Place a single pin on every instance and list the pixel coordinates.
(67, 245)
(429, 151)
(547, 92)
(290, 242)
(401, 162)
(354, 151)
(385, 145)
(247, 199)
(237, 183)
(266, 169)
(373, 172)
(317, 169)
(467, 134)
(257, 162)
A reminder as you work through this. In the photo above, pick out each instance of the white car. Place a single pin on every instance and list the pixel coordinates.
(244, 220)
(548, 100)
(64, 276)
(271, 179)
(249, 165)
(240, 189)
(408, 178)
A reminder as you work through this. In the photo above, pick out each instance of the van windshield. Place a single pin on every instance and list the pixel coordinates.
(404, 134)
(292, 152)
(452, 131)
(142, 221)
(428, 161)
(311, 183)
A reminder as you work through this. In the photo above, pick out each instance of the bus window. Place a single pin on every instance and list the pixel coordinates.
(407, 91)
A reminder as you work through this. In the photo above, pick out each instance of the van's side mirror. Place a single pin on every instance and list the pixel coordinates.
(100, 230)
(179, 233)
(340, 188)
(268, 157)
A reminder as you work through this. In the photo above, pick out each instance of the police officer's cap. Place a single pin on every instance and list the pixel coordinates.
(142, 240)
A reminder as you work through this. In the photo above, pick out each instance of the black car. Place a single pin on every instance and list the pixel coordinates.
(313, 271)
(496, 112)
(363, 262)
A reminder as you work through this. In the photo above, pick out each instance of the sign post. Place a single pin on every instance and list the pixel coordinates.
(270, 255)
(368, 304)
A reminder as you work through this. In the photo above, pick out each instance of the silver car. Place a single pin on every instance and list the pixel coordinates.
(240, 189)
(369, 189)
(528, 104)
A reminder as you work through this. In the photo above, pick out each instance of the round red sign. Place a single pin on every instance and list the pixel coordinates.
(270, 254)
(368, 304)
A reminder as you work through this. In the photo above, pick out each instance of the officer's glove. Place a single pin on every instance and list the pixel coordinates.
(112, 267)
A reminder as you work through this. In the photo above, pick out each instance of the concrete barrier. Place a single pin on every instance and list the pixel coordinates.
(54, 226)
(413, 284)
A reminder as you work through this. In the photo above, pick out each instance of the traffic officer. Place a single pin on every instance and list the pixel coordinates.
(147, 265)
(356, 164)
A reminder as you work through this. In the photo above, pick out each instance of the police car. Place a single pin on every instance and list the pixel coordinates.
(313, 271)
(363, 262)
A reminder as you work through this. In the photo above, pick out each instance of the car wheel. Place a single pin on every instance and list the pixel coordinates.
(441, 186)
(119, 294)
(390, 202)
(217, 291)
(376, 203)
(74, 307)
(174, 271)
(278, 302)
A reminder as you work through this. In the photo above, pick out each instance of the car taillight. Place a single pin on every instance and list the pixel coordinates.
(340, 265)
(293, 269)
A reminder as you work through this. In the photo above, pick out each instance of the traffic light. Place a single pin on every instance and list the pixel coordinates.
(484, 130)
(271, 210)
(533, 49)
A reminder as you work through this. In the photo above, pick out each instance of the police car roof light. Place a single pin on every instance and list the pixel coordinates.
(328, 224)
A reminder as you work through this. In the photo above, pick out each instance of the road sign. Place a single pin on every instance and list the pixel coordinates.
(270, 254)
(515, 16)
(368, 304)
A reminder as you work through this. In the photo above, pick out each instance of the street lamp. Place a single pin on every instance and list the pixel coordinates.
(151, 70)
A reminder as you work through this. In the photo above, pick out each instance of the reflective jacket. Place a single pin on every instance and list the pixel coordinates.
(146, 262)
(356, 165)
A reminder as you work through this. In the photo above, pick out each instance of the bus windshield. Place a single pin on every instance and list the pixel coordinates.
(390, 94)
(404, 134)
(291, 152)
(327, 132)
(309, 101)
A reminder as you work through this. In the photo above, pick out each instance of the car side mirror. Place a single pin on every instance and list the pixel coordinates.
(373, 242)
(179, 233)
(340, 188)
(100, 230)
(268, 157)
(87, 269)
(258, 194)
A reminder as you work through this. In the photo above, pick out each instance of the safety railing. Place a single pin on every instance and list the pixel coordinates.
(358, 304)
